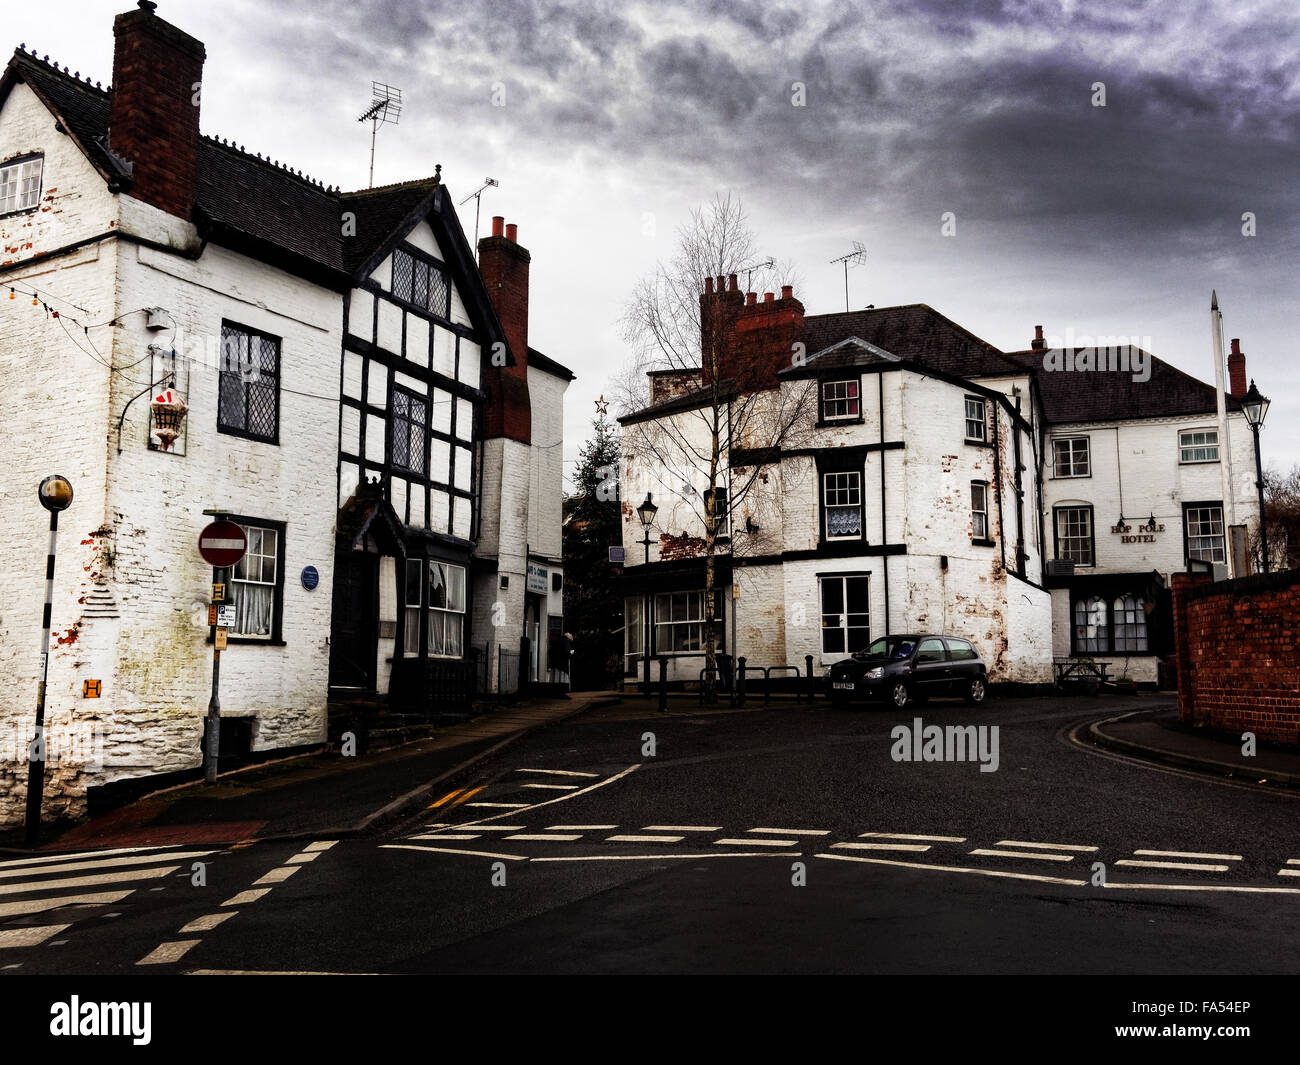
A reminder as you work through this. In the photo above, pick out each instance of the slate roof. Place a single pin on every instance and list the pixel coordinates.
(549, 365)
(915, 332)
(1105, 395)
(239, 194)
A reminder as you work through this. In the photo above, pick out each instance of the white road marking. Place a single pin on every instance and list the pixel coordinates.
(497, 805)
(1293, 861)
(983, 853)
(303, 859)
(562, 798)
(793, 831)
(493, 828)
(1196, 867)
(110, 863)
(560, 773)
(663, 857)
(89, 881)
(446, 835)
(29, 937)
(755, 842)
(52, 858)
(319, 845)
(917, 847)
(246, 897)
(1190, 854)
(277, 876)
(1208, 887)
(1288, 872)
(679, 828)
(449, 850)
(208, 921)
(552, 787)
(1001, 873)
(905, 835)
(10, 909)
(166, 953)
(581, 828)
(644, 839)
(568, 837)
(1043, 846)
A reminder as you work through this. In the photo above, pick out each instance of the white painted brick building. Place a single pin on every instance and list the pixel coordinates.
(923, 495)
(343, 363)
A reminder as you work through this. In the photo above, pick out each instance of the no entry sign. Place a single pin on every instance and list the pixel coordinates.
(222, 544)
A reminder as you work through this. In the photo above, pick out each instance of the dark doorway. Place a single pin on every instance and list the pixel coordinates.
(353, 635)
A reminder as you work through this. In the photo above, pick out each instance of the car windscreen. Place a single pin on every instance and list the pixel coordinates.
(889, 647)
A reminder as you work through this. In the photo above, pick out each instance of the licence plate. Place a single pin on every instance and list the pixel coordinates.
(844, 684)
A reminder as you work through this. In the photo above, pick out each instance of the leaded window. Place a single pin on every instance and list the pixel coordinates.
(248, 389)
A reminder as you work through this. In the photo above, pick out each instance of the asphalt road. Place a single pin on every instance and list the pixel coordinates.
(763, 841)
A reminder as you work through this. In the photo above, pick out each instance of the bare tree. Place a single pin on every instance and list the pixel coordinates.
(722, 413)
(1282, 513)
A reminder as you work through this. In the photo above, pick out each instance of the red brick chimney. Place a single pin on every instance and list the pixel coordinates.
(758, 337)
(1038, 343)
(1236, 370)
(504, 267)
(719, 305)
(154, 109)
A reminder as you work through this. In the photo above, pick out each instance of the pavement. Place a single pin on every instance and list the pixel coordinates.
(1159, 735)
(323, 793)
(327, 794)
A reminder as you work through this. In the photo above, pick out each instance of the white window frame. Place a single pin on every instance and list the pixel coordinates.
(435, 618)
(844, 624)
(982, 421)
(1091, 626)
(851, 400)
(669, 627)
(1129, 625)
(1218, 551)
(852, 493)
(722, 520)
(1204, 445)
(1072, 457)
(1062, 538)
(21, 184)
(242, 565)
(633, 633)
(979, 510)
(411, 624)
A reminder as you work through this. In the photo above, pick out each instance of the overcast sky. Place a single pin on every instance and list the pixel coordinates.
(619, 118)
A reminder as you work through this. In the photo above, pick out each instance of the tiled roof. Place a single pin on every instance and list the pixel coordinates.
(915, 332)
(238, 193)
(1110, 395)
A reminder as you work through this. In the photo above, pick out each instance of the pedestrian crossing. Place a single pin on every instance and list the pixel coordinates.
(45, 895)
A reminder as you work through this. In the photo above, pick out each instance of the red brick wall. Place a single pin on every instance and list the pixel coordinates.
(154, 109)
(1237, 648)
(755, 336)
(504, 266)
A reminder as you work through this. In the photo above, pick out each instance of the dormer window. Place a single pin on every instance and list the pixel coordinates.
(420, 282)
(841, 401)
(20, 184)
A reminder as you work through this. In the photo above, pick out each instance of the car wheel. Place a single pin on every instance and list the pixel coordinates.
(976, 692)
(899, 695)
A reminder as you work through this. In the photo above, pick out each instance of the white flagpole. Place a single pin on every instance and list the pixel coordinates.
(1225, 444)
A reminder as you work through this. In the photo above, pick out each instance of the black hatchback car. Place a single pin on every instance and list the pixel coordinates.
(910, 668)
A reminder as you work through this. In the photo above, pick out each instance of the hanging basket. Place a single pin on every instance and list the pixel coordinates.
(168, 410)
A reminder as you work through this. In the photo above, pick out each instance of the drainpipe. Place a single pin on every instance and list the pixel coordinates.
(884, 537)
(997, 482)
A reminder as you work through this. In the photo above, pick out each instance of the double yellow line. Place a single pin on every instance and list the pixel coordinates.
(455, 798)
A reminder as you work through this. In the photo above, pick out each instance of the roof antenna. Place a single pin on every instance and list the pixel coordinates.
(385, 106)
(767, 264)
(856, 257)
(477, 196)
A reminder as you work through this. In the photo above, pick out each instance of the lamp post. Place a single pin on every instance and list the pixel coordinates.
(1255, 407)
(55, 494)
(646, 512)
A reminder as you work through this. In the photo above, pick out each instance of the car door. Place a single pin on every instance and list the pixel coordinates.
(931, 671)
(964, 664)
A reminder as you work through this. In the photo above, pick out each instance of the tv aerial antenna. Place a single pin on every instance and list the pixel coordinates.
(477, 197)
(385, 106)
(856, 257)
(767, 264)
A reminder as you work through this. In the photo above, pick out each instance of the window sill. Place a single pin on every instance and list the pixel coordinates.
(978, 443)
(246, 641)
(825, 423)
(983, 543)
(22, 210)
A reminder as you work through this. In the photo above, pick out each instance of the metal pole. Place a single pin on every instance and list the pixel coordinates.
(374, 131)
(213, 723)
(35, 763)
(1259, 487)
(645, 609)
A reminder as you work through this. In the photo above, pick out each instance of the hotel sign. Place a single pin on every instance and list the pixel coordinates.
(536, 580)
(1145, 534)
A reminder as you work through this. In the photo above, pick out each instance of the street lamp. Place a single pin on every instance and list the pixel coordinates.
(55, 494)
(1255, 407)
(646, 512)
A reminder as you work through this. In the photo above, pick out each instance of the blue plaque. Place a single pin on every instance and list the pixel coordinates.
(310, 578)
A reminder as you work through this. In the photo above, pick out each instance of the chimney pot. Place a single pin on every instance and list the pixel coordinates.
(1038, 343)
(787, 292)
(498, 225)
(708, 286)
(731, 283)
(751, 299)
(1236, 370)
(512, 232)
(768, 297)
(1236, 345)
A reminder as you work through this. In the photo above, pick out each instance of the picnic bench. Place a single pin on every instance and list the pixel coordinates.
(1072, 671)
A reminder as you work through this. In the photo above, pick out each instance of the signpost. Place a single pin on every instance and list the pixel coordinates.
(222, 544)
